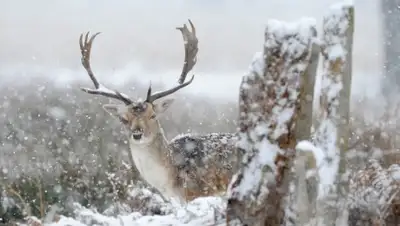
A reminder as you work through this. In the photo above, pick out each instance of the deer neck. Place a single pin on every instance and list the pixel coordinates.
(154, 164)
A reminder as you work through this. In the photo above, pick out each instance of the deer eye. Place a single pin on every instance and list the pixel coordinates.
(153, 117)
(124, 121)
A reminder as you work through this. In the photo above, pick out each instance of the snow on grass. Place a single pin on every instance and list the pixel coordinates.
(373, 190)
(201, 211)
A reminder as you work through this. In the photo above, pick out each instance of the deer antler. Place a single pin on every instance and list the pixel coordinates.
(190, 43)
(86, 47)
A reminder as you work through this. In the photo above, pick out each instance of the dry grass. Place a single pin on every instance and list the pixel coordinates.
(49, 132)
(377, 137)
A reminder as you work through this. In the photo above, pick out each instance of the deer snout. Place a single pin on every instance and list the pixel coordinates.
(137, 133)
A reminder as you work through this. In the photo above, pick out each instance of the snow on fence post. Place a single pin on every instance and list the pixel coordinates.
(269, 106)
(332, 130)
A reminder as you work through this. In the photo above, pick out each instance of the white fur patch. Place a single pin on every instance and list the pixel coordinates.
(153, 170)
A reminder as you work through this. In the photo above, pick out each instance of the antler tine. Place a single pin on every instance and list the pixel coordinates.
(148, 96)
(190, 42)
(86, 47)
(152, 97)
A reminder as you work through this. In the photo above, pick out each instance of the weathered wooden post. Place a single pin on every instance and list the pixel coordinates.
(269, 108)
(303, 207)
(332, 130)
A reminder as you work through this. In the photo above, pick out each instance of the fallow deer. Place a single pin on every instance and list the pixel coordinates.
(189, 166)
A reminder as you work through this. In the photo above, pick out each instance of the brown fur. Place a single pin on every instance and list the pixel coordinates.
(213, 184)
(204, 163)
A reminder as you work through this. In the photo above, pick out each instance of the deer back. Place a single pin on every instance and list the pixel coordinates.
(204, 164)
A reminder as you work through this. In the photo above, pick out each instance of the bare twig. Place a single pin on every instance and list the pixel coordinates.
(41, 198)
(26, 209)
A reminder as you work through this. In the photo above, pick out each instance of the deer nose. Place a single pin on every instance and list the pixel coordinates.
(137, 133)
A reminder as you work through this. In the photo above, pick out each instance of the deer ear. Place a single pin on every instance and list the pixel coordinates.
(113, 109)
(163, 105)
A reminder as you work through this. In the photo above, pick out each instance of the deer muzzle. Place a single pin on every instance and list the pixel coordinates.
(137, 134)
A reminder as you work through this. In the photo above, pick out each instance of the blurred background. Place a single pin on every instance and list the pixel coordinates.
(50, 129)
(139, 39)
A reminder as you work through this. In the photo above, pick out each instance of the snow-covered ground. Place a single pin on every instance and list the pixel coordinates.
(202, 211)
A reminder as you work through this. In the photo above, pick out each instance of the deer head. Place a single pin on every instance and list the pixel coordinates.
(140, 117)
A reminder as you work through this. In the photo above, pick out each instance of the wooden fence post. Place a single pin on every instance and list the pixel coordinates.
(332, 131)
(269, 106)
(303, 206)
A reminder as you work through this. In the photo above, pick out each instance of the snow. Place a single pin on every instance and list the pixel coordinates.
(281, 29)
(253, 174)
(201, 211)
(395, 171)
(102, 89)
(304, 27)
(373, 189)
(57, 112)
(257, 64)
(307, 146)
(326, 171)
(325, 139)
(284, 116)
(337, 7)
(335, 22)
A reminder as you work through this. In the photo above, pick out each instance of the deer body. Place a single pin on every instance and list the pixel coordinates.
(187, 167)
(204, 164)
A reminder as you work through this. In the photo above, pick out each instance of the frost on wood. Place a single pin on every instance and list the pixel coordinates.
(268, 108)
(332, 129)
(336, 81)
(374, 196)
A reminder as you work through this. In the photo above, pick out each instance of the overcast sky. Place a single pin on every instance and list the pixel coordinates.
(140, 34)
